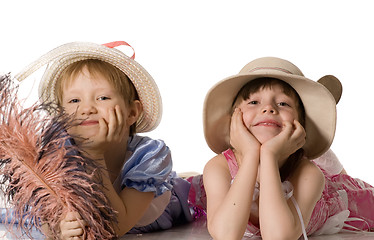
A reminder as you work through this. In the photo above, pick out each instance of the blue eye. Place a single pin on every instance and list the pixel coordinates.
(283, 104)
(74, 100)
(103, 98)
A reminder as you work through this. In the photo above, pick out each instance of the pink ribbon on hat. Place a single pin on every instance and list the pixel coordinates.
(120, 43)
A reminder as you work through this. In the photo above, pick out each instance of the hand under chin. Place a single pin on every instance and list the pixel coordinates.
(265, 136)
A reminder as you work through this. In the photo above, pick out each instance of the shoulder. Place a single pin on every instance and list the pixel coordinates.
(142, 149)
(217, 163)
(216, 170)
(148, 158)
(137, 141)
(308, 171)
(147, 167)
(308, 180)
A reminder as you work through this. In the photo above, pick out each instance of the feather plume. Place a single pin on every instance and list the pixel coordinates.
(42, 174)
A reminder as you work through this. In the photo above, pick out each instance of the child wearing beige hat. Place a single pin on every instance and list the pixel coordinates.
(272, 129)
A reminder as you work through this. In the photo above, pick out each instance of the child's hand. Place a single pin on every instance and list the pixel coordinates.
(241, 139)
(72, 226)
(109, 134)
(288, 141)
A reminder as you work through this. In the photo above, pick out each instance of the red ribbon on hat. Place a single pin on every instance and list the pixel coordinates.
(120, 43)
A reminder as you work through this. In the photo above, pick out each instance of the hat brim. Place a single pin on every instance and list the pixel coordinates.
(319, 104)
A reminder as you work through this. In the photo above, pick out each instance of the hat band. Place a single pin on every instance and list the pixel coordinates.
(270, 68)
(120, 43)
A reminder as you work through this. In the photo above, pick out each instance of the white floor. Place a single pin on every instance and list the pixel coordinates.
(197, 230)
(194, 231)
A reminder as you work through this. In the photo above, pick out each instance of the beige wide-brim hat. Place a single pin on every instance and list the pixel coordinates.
(319, 99)
(61, 57)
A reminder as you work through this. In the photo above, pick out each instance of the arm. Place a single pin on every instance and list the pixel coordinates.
(278, 216)
(108, 149)
(229, 204)
(130, 205)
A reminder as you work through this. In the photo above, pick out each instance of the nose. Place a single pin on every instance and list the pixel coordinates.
(269, 109)
(87, 109)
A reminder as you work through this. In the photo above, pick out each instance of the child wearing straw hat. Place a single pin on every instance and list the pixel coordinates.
(111, 98)
(267, 124)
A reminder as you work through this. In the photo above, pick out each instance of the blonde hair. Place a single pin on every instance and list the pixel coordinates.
(113, 75)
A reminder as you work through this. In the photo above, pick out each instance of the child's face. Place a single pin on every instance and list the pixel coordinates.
(89, 98)
(265, 111)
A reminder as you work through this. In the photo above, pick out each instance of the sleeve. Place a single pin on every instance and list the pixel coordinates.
(148, 167)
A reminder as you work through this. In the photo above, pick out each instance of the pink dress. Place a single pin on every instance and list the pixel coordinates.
(346, 203)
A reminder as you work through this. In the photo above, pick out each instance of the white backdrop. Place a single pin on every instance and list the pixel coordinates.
(187, 46)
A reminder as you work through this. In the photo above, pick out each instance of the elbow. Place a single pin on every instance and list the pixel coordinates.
(281, 234)
(283, 238)
(215, 232)
(120, 229)
(222, 233)
(120, 232)
(225, 236)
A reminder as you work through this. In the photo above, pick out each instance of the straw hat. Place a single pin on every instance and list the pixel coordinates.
(319, 99)
(61, 57)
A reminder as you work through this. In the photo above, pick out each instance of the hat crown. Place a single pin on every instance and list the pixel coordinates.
(271, 64)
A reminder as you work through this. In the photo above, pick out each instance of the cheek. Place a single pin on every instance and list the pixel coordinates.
(104, 113)
(247, 119)
(69, 110)
(74, 132)
(295, 116)
(290, 116)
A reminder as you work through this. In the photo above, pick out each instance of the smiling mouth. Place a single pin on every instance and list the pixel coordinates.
(268, 124)
(88, 123)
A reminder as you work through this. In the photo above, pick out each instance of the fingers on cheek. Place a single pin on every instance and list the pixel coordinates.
(103, 126)
(288, 129)
(299, 126)
(286, 125)
(112, 117)
(119, 114)
(234, 125)
(236, 113)
(301, 141)
(301, 132)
